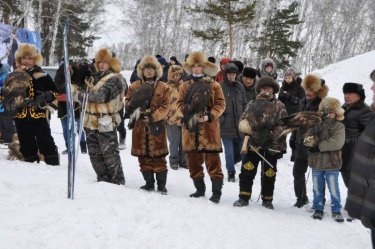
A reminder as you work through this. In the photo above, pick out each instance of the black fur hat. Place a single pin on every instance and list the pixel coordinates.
(239, 65)
(267, 81)
(249, 72)
(354, 88)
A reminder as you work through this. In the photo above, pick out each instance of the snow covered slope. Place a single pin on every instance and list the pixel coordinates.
(356, 69)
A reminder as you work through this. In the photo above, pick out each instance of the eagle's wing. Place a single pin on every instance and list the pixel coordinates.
(195, 101)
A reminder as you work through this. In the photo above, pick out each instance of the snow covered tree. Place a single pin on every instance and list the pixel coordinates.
(227, 12)
(276, 40)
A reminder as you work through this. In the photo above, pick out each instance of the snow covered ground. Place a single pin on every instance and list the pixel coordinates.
(35, 213)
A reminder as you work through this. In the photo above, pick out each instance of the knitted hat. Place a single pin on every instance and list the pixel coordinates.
(354, 88)
(267, 81)
(162, 61)
(224, 60)
(249, 72)
(290, 72)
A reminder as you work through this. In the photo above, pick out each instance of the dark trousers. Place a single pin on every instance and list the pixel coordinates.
(6, 128)
(373, 238)
(176, 154)
(121, 127)
(34, 135)
(249, 170)
(299, 170)
(104, 156)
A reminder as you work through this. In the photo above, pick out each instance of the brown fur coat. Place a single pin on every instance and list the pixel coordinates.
(143, 142)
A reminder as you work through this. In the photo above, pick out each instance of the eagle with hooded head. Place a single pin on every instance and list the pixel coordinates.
(14, 92)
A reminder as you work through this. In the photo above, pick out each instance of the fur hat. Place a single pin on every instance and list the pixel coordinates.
(173, 70)
(239, 65)
(200, 58)
(230, 68)
(149, 60)
(267, 81)
(211, 59)
(104, 55)
(249, 72)
(313, 83)
(354, 88)
(372, 75)
(28, 50)
(329, 105)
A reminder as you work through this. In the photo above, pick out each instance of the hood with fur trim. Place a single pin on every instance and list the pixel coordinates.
(28, 50)
(209, 68)
(329, 105)
(173, 70)
(105, 55)
(314, 83)
(264, 63)
(149, 60)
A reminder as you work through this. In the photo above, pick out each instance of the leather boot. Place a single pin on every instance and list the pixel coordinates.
(150, 181)
(217, 185)
(161, 179)
(200, 186)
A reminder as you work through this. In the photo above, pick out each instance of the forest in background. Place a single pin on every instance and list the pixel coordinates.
(302, 34)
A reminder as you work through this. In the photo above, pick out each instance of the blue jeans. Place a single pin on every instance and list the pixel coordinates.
(331, 178)
(232, 149)
(65, 130)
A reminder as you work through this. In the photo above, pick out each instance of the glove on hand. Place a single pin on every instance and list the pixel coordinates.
(314, 149)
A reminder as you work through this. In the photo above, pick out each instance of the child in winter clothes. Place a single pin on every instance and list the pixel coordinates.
(325, 142)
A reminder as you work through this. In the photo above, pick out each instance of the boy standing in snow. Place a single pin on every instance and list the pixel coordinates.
(325, 142)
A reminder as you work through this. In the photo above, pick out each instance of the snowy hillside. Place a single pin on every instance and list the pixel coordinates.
(35, 213)
(356, 69)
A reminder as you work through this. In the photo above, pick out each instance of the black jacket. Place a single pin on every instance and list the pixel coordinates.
(236, 101)
(290, 95)
(357, 117)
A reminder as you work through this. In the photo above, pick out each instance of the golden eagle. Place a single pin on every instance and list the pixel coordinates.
(139, 102)
(14, 92)
(261, 117)
(195, 101)
(303, 119)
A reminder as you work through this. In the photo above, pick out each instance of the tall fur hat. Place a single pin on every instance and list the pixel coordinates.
(28, 50)
(200, 58)
(173, 70)
(313, 83)
(104, 55)
(267, 81)
(329, 105)
(149, 60)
